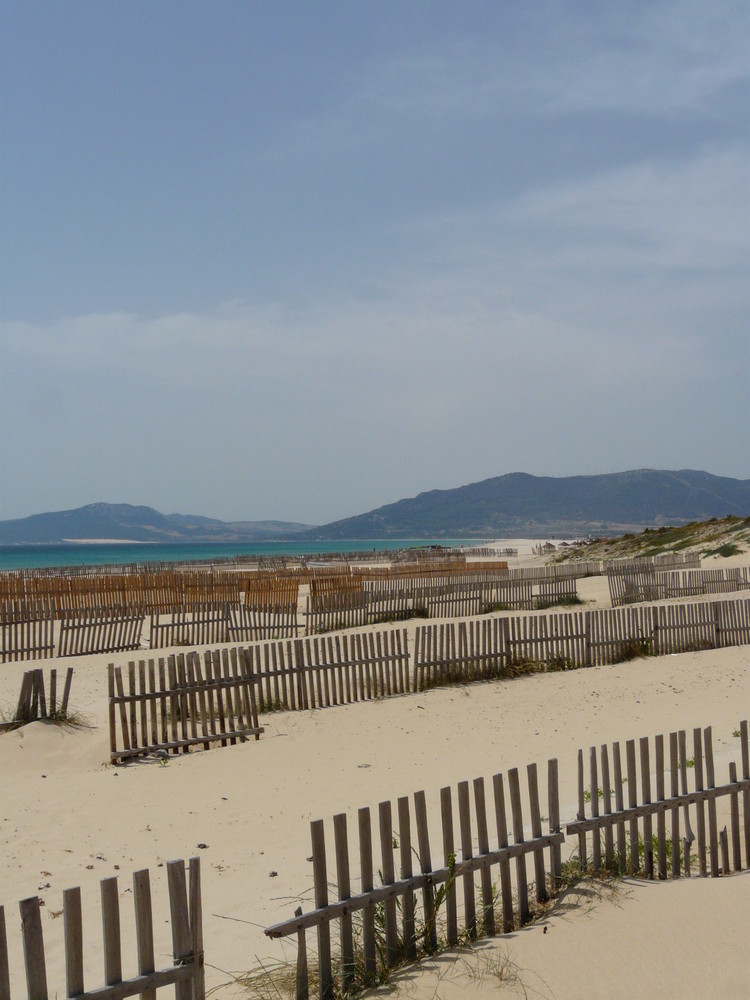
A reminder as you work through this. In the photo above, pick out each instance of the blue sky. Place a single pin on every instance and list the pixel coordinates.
(297, 260)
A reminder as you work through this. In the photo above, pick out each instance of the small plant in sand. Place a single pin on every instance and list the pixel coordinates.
(71, 718)
(492, 606)
(634, 649)
(725, 550)
(542, 603)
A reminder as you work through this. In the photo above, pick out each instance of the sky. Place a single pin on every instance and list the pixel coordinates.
(286, 260)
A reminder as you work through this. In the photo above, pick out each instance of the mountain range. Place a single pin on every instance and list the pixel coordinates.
(520, 505)
(513, 505)
(123, 521)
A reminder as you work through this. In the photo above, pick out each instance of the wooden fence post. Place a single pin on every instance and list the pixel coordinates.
(196, 929)
(582, 860)
(425, 863)
(745, 743)
(366, 869)
(648, 843)
(182, 944)
(713, 829)
(587, 639)
(699, 810)
(596, 847)
(386, 853)
(553, 806)
(73, 941)
(342, 877)
(735, 814)
(404, 831)
(464, 822)
(674, 789)
(502, 841)
(144, 929)
(516, 810)
(446, 814)
(33, 949)
(536, 831)
(488, 912)
(320, 878)
(4, 970)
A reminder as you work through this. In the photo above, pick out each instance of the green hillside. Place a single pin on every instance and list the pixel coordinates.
(520, 505)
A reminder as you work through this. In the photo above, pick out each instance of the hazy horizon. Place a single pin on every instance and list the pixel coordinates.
(270, 520)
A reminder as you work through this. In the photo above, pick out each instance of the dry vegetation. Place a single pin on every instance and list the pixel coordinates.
(726, 536)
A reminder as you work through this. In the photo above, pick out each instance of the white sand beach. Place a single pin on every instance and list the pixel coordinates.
(69, 818)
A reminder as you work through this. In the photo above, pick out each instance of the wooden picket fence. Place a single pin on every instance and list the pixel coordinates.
(328, 612)
(645, 582)
(269, 611)
(186, 973)
(27, 629)
(390, 600)
(33, 703)
(385, 925)
(174, 704)
(110, 629)
(330, 670)
(191, 625)
(323, 671)
(156, 590)
(400, 919)
(480, 650)
(630, 848)
(262, 619)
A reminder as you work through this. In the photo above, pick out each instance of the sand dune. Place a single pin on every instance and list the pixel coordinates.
(69, 818)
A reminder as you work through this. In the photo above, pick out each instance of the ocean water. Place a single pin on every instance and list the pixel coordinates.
(38, 556)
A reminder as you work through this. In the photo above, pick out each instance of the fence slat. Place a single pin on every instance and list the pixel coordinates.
(516, 811)
(404, 831)
(182, 945)
(33, 949)
(111, 931)
(73, 930)
(425, 862)
(144, 929)
(366, 869)
(388, 878)
(449, 859)
(488, 908)
(320, 878)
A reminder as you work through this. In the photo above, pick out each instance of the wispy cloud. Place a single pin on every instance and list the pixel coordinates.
(653, 59)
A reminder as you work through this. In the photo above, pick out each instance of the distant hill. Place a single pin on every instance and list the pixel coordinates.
(518, 505)
(515, 505)
(123, 521)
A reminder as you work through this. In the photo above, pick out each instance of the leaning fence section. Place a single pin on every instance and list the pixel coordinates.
(668, 826)
(186, 973)
(39, 702)
(192, 625)
(110, 629)
(637, 582)
(460, 652)
(434, 886)
(330, 670)
(175, 704)
(483, 649)
(262, 619)
(379, 601)
(27, 629)
(486, 869)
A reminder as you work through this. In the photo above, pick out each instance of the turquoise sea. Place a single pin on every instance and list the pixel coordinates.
(37, 556)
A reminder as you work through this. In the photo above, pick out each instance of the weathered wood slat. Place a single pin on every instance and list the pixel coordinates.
(333, 911)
